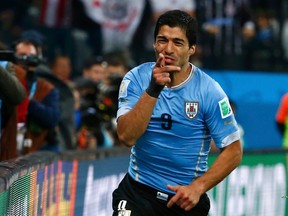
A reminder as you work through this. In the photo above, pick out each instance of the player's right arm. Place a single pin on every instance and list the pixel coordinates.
(132, 124)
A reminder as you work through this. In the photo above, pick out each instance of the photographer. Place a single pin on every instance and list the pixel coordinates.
(12, 93)
(96, 105)
(40, 111)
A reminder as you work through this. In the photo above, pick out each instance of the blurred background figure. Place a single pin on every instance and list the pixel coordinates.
(94, 68)
(61, 67)
(37, 38)
(58, 73)
(12, 13)
(54, 20)
(12, 93)
(282, 119)
(220, 31)
(261, 43)
(60, 76)
(284, 40)
(118, 62)
(40, 111)
(94, 111)
(92, 114)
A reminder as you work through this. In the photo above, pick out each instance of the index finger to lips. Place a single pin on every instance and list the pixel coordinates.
(160, 61)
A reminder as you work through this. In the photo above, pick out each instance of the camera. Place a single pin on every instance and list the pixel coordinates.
(28, 60)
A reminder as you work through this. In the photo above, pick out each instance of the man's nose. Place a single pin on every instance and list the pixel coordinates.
(169, 47)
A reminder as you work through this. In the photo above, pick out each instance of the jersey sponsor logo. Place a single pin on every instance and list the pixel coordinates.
(225, 108)
(191, 109)
(123, 88)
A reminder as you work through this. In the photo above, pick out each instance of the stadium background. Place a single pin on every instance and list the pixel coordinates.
(81, 183)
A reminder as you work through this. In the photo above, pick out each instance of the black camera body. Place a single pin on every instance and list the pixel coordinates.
(28, 60)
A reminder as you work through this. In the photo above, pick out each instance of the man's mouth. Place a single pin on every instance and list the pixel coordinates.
(169, 61)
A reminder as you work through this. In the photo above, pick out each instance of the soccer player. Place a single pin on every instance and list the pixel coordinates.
(168, 112)
(282, 120)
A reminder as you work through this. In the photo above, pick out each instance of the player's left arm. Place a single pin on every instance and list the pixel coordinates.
(228, 159)
(188, 196)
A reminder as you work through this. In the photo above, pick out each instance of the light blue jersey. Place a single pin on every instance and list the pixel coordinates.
(175, 146)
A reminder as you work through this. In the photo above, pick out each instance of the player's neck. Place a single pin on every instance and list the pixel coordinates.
(179, 77)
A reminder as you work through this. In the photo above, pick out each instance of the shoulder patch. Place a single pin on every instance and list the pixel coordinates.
(225, 108)
(123, 88)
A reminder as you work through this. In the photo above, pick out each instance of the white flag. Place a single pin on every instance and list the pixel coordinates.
(119, 20)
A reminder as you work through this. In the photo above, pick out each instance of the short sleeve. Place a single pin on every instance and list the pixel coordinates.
(219, 117)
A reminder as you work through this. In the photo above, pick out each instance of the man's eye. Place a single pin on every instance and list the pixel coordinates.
(178, 43)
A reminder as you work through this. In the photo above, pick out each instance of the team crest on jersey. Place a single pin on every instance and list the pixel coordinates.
(191, 109)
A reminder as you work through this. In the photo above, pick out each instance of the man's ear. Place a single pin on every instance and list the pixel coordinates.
(192, 50)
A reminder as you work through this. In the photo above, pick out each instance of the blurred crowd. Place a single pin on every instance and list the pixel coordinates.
(246, 32)
(70, 56)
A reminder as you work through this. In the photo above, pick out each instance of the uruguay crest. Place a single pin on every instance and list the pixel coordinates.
(191, 109)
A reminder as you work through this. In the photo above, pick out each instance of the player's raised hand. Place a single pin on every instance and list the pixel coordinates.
(160, 76)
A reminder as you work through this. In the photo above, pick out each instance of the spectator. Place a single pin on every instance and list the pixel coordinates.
(94, 68)
(12, 93)
(86, 26)
(36, 37)
(220, 31)
(282, 119)
(94, 114)
(12, 14)
(62, 68)
(284, 40)
(118, 62)
(40, 111)
(55, 22)
(63, 136)
(260, 42)
(76, 106)
(60, 77)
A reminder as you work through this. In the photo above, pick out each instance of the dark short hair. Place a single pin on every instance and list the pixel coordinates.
(94, 60)
(34, 36)
(178, 18)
